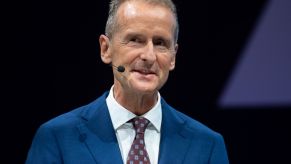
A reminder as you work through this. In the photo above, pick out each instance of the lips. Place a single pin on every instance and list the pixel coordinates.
(144, 71)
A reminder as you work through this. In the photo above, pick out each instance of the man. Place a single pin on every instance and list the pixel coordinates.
(131, 123)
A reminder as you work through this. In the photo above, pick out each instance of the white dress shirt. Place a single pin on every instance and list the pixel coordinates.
(125, 132)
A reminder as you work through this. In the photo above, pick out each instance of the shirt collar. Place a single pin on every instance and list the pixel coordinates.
(120, 115)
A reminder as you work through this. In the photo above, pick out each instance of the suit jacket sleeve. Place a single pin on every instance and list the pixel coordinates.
(219, 152)
(44, 148)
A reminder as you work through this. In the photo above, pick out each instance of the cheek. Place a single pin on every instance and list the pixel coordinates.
(128, 55)
(165, 63)
(164, 66)
(163, 78)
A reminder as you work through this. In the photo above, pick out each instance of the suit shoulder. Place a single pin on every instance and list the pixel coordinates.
(63, 121)
(76, 115)
(197, 127)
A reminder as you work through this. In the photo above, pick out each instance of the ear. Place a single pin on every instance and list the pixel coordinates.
(173, 59)
(105, 49)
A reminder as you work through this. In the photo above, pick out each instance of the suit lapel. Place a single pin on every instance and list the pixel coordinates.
(97, 133)
(174, 141)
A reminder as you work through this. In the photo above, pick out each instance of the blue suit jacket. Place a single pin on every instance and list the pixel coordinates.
(86, 136)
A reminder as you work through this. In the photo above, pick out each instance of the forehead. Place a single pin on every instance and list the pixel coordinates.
(134, 8)
(135, 13)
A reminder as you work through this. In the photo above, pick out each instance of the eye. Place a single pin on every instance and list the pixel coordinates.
(159, 42)
(135, 40)
(161, 45)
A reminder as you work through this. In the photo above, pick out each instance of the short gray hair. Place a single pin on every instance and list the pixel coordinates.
(112, 24)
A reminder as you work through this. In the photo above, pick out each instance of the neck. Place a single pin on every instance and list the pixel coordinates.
(137, 103)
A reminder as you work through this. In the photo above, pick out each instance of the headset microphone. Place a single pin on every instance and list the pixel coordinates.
(119, 68)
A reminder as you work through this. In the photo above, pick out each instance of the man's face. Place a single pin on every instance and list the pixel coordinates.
(144, 44)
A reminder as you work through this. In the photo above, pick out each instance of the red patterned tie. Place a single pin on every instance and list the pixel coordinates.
(137, 153)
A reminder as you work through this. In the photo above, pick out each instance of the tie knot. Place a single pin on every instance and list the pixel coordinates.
(140, 124)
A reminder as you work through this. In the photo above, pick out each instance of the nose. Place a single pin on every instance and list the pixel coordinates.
(149, 53)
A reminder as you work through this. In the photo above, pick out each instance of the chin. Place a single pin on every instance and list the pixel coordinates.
(145, 88)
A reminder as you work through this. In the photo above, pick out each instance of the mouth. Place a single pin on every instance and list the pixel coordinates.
(144, 71)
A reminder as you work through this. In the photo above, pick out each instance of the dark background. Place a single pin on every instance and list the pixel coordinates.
(54, 66)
